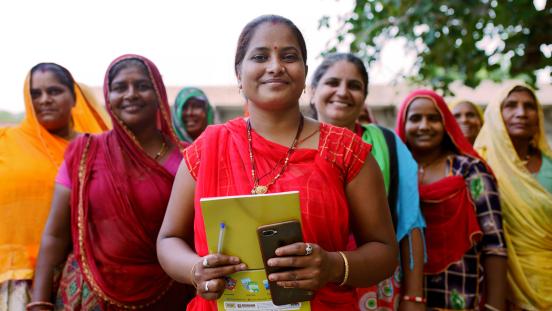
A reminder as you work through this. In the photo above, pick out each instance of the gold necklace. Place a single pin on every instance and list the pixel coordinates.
(161, 151)
(262, 189)
(422, 167)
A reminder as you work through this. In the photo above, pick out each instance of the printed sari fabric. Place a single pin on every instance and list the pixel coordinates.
(386, 294)
(463, 217)
(219, 162)
(29, 159)
(527, 209)
(118, 200)
(179, 106)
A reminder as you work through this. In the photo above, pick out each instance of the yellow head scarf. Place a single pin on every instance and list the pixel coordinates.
(475, 106)
(526, 208)
(29, 160)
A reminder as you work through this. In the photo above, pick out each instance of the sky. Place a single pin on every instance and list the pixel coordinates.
(191, 42)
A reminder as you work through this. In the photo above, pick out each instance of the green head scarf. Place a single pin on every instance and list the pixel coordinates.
(180, 104)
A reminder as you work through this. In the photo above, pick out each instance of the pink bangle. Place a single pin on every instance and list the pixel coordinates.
(417, 299)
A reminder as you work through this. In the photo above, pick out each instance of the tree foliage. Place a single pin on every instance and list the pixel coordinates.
(466, 40)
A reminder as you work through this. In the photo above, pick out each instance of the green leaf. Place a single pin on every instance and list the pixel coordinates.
(520, 26)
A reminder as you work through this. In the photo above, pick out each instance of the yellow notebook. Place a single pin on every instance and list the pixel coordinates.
(242, 215)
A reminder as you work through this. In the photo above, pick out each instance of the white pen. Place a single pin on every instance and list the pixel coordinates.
(221, 237)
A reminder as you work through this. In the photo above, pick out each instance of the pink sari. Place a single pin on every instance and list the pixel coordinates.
(118, 201)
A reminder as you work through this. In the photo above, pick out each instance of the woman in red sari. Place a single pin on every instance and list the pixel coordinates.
(329, 166)
(466, 253)
(109, 201)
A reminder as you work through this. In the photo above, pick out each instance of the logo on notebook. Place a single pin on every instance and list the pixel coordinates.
(249, 285)
(230, 283)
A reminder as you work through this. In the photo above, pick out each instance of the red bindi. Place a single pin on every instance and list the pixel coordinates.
(275, 48)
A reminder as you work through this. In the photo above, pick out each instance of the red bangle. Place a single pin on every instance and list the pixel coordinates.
(417, 299)
(46, 304)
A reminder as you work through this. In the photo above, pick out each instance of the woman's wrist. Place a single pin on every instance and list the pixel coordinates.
(341, 268)
(192, 275)
(39, 305)
(39, 293)
(413, 292)
(416, 299)
(193, 269)
(337, 266)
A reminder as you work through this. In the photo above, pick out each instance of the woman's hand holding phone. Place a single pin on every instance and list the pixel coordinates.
(311, 272)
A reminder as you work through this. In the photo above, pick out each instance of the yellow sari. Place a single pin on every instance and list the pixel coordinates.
(29, 159)
(526, 208)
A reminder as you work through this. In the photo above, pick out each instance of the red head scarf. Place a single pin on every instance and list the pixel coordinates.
(163, 113)
(452, 128)
(452, 226)
(118, 202)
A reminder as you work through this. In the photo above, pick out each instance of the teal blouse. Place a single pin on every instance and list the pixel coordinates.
(544, 176)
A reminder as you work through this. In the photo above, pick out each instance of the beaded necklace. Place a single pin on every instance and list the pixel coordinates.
(262, 189)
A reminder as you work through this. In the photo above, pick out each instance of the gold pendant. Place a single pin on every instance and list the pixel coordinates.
(259, 190)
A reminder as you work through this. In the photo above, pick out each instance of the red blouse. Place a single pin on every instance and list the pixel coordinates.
(219, 162)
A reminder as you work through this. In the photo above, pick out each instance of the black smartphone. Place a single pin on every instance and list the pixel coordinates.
(271, 237)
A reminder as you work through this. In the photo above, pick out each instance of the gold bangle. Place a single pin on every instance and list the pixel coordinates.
(346, 274)
(489, 307)
(192, 272)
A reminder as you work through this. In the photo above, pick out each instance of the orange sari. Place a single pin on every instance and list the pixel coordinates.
(29, 160)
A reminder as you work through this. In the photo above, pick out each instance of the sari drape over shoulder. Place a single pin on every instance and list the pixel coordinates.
(463, 218)
(526, 206)
(29, 159)
(118, 200)
(219, 162)
(408, 214)
(399, 171)
(437, 197)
